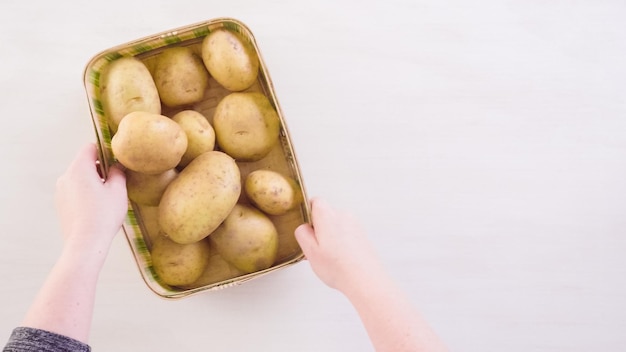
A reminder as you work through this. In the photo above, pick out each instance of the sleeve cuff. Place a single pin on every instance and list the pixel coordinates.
(24, 339)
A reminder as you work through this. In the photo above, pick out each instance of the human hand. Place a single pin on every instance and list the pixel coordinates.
(91, 211)
(344, 259)
(337, 248)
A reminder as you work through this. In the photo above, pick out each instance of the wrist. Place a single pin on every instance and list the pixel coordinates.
(364, 282)
(83, 254)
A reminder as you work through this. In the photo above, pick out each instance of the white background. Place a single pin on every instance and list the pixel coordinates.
(481, 143)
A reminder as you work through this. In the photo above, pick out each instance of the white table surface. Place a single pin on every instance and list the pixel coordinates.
(482, 143)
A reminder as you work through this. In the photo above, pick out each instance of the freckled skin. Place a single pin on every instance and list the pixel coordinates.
(246, 126)
(272, 192)
(230, 59)
(247, 239)
(178, 264)
(180, 77)
(200, 134)
(200, 198)
(138, 143)
(127, 86)
(147, 189)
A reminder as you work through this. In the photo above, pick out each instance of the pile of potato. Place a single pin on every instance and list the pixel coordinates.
(188, 165)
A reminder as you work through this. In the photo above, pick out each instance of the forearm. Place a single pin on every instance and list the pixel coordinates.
(64, 304)
(389, 318)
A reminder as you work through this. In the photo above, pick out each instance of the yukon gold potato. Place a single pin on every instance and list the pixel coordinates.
(247, 239)
(272, 192)
(180, 76)
(146, 189)
(126, 86)
(246, 126)
(149, 219)
(149, 143)
(200, 134)
(200, 198)
(179, 264)
(230, 59)
(216, 271)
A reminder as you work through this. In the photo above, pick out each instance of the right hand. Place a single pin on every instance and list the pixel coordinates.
(337, 248)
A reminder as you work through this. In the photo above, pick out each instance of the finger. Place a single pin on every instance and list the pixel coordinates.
(306, 239)
(322, 216)
(316, 206)
(86, 158)
(77, 165)
(321, 208)
(88, 154)
(116, 177)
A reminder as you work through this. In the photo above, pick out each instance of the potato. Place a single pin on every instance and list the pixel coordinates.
(149, 143)
(216, 271)
(272, 192)
(126, 86)
(246, 126)
(230, 59)
(179, 264)
(180, 76)
(200, 198)
(247, 239)
(146, 189)
(149, 218)
(200, 134)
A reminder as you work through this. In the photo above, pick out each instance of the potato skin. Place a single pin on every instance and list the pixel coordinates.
(200, 198)
(246, 125)
(216, 270)
(126, 85)
(230, 59)
(148, 143)
(180, 76)
(179, 264)
(146, 189)
(200, 134)
(247, 239)
(272, 192)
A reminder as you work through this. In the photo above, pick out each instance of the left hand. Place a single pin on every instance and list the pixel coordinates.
(91, 211)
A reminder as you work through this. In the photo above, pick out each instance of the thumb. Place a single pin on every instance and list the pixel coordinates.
(116, 177)
(306, 239)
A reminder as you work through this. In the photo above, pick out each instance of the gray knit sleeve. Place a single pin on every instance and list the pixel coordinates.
(30, 340)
